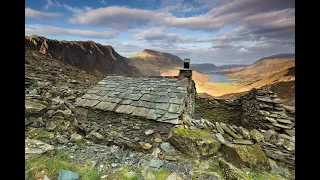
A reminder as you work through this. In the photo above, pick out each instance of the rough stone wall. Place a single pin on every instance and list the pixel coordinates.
(190, 99)
(124, 130)
(262, 109)
(218, 110)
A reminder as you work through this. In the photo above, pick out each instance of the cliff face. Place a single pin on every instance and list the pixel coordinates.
(96, 59)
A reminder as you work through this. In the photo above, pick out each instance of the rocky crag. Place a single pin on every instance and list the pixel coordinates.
(211, 147)
(96, 59)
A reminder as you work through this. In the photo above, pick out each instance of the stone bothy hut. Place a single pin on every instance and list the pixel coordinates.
(135, 112)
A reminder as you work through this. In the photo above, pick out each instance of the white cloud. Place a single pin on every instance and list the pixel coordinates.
(39, 14)
(155, 34)
(36, 29)
(49, 4)
(240, 11)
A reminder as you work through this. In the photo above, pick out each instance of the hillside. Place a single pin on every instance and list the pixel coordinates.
(263, 70)
(96, 59)
(152, 63)
(204, 68)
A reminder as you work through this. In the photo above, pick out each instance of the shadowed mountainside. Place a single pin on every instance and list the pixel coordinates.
(94, 58)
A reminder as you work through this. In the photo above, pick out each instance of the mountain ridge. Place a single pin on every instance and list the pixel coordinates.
(94, 58)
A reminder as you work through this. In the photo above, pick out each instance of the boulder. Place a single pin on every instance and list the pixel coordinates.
(76, 137)
(231, 172)
(194, 142)
(68, 175)
(36, 147)
(248, 155)
(33, 106)
(256, 135)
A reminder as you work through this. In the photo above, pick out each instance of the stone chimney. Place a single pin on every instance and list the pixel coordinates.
(186, 72)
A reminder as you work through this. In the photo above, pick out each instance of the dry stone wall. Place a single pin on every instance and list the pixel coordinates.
(220, 110)
(262, 109)
(108, 127)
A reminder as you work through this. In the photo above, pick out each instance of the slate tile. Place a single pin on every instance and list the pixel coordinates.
(149, 98)
(92, 91)
(152, 115)
(163, 98)
(150, 105)
(175, 108)
(140, 111)
(162, 106)
(90, 96)
(176, 101)
(138, 103)
(125, 101)
(127, 109)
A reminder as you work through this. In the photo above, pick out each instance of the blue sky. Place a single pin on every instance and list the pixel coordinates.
(207, 31)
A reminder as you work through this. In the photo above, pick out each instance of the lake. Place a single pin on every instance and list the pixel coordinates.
(219, 78)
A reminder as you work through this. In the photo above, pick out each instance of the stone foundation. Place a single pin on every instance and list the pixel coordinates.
(120, 129)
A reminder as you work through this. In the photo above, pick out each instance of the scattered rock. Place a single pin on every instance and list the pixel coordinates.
(220, 138)
(194, 142)
(245, 142)
(244, 132)
(131, 175)
(156, 163)
(256, 135)
(209, 175)
(62, 140)
(267, 135)
(174, 176)
(68, 175)
(149, 131)
(158, 140)
(51, 126)
(166, 147)
(145, 145)
(290, 146)
(219, 128)
(76, 137)
(33, 146)
(33, 106)
(229, 131)
(274, 167)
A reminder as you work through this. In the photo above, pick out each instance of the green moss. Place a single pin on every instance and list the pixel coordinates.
(82, 143)
(161, 174)
(125, 170)
(193, 134)
(51, 165)
(36, 120)
(256, 173)
(41, 135)
(211, 168)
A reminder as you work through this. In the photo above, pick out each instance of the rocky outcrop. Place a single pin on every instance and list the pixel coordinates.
(194, 142)
(96, 59)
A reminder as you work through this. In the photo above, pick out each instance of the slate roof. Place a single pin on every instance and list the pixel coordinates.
(156, 98)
